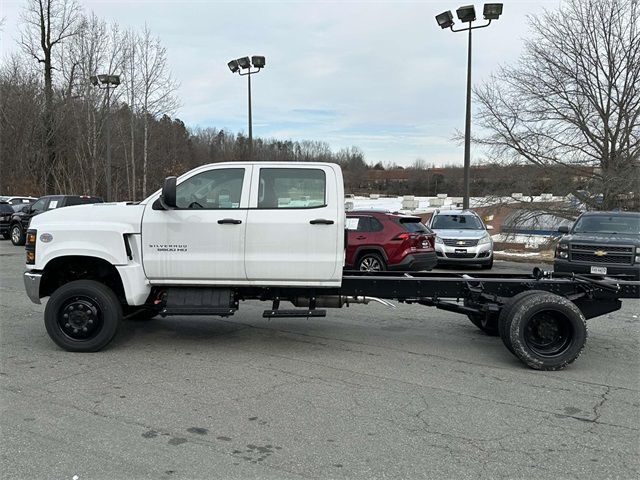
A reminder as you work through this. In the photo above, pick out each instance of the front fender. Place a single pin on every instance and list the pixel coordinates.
(106, 244)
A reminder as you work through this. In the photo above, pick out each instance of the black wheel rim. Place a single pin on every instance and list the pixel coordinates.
(80, 318)
(548, 333)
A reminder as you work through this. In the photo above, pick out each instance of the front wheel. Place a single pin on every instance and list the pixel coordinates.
(371, 262)
(17, 235)
(487, 266)
(82, 316)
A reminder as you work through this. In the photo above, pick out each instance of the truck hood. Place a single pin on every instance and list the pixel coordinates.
(121, 216)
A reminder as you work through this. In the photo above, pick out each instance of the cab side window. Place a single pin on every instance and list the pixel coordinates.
(217, 189)
(291, 188)
(40, 205)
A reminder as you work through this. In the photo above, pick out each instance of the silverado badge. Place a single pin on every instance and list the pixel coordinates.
(460, 242)
(599, 253)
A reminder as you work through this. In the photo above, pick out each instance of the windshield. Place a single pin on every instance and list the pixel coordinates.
(457, 222)
(613, 224)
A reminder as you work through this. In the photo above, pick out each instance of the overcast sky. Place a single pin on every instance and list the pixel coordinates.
(379, 75)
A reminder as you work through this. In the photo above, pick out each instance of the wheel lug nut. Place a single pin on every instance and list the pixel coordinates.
(90, 322)
(84, 329)
(66, 315)
(71, 307)
(75, 330)
(67, 325)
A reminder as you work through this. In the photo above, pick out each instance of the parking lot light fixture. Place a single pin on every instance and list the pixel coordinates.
(244, 62)
(445, 19)
(492, 11)
(233, 66)
(243, 66)
(258, 61)
(467, 14)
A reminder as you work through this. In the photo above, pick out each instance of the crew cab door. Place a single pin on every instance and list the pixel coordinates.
(201, 241)
(295, 225)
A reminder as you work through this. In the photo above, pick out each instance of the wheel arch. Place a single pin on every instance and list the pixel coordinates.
(64, 269)
(360, 251)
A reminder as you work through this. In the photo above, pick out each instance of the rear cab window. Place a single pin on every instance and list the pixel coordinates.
(296, 188)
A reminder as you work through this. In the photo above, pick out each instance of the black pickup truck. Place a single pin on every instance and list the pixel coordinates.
(20, 220)
(601, 243)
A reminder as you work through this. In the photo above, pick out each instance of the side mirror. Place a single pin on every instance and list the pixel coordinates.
(563, 229)
(168, 196)
(26, 209)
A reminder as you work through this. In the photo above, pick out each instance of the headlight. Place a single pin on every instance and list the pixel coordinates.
(484, 240)
(562, 250)
(439, 240)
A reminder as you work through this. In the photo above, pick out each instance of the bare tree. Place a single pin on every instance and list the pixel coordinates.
(48, 23)
(157, 89)
(572, 102)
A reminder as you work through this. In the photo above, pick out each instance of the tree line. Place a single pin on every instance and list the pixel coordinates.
(53, 120)
(568, 110)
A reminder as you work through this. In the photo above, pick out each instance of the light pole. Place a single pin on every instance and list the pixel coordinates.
(242, 66)
(107, 81)
(467, 14)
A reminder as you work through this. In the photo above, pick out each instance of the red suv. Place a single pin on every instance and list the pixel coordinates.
(388, 241)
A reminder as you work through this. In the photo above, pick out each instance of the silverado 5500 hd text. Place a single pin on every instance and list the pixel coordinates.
(228, 232)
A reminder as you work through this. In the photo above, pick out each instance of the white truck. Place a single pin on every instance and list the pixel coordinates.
(272, 231)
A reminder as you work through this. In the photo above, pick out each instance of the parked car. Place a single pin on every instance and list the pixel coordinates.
(379, 241)
(461, 238)
(6, 212)
(602, 243)
(20, 220)
(13, 200)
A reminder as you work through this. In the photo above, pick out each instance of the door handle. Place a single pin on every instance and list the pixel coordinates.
(231, 221)
(321, 221)
(361, 237)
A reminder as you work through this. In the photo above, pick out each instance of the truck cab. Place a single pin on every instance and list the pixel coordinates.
(240, 223)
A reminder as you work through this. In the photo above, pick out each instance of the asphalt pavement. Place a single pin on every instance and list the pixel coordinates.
(368, 392)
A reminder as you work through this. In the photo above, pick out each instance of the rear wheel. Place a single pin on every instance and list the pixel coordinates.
(547, 331)
(82, 316)
(371, 262)
(17, 234)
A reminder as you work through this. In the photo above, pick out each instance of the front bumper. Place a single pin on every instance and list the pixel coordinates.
(416, 261)
(565, 266)
(32, 285)
(4, 227)
(477, 255)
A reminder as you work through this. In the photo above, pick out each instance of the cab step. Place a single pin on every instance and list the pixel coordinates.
(294, 313)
